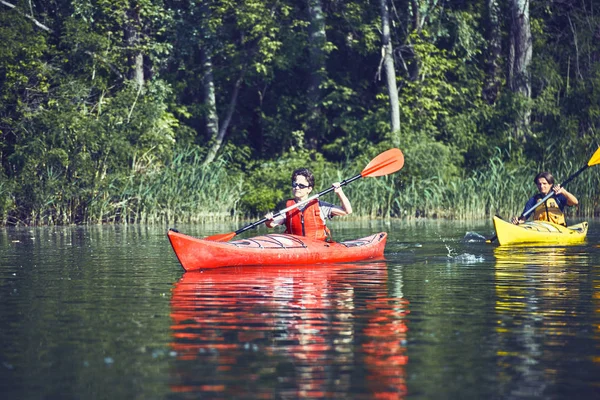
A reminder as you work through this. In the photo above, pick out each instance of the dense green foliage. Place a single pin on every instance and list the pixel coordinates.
(105, 108)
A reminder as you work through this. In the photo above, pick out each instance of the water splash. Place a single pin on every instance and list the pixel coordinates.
(473, 237)
(465, 258)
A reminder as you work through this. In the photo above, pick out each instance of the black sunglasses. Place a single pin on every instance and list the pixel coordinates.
(299, 185)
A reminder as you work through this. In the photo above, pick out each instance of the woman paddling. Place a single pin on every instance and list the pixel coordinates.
(309, 219)
(552, 209)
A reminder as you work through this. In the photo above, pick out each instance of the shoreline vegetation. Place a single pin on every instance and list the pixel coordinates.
(154, 111)
(186, 191)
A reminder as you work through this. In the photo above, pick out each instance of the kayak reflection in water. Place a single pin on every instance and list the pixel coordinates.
(552, 209)
(309, 219)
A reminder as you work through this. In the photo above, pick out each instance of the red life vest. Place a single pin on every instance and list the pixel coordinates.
(307, 222)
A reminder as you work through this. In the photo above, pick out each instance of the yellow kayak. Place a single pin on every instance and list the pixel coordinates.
(538, 232)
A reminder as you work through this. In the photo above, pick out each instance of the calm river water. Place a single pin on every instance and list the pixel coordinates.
(106, 312)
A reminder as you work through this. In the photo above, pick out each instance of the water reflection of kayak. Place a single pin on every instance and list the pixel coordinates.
(539, 232)
(272, 249)
(289, 332)
(511, 259)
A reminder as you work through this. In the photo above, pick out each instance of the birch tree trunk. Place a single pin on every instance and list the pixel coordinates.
(209, 97)
(317, 39)
(519, 60)
(215, 133)
(217, 141)
(388, 65)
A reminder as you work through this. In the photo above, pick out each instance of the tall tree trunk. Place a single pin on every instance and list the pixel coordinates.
(491, 84)
(317, 39)
(211, 119)
(209, 97)
(132, 36)
(520, 54)
(217, 141)
(417, 26)
(388, 64)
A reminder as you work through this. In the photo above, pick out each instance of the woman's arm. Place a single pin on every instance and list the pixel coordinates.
(346, 206)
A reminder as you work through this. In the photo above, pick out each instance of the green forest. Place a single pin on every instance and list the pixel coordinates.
(154, 111)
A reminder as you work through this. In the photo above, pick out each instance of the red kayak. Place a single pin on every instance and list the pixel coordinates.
(272, 249)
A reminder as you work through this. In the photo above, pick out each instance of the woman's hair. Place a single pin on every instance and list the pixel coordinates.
(305, 172)
(546, 175)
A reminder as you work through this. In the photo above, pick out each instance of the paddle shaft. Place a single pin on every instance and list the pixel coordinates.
(316, 196)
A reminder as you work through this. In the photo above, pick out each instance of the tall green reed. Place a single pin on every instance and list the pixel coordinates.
(183, 190)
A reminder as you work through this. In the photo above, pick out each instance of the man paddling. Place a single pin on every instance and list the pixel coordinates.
(552, 210)
(309, 219)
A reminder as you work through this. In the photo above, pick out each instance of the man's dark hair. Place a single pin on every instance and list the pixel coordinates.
(305, 172)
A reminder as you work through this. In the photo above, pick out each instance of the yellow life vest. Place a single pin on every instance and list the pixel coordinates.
(549, 211)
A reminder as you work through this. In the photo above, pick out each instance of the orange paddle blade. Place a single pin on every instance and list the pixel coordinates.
(386, 163)
(595, 158)
(222, 237)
